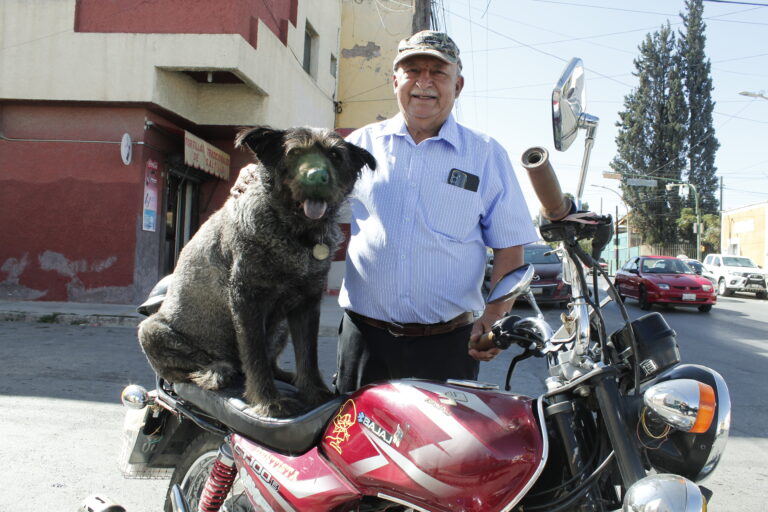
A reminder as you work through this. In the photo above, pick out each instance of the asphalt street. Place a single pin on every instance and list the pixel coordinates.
(60, 417)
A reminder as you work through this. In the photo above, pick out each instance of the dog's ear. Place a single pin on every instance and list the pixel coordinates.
(360, 157)
(264, 142)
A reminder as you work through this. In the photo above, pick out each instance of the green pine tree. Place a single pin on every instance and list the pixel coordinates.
(651, 138)
(700, 132)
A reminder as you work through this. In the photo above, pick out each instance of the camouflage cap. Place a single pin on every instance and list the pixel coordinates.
(428, 42)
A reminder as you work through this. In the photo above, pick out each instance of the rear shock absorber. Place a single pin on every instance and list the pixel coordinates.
(219, 482)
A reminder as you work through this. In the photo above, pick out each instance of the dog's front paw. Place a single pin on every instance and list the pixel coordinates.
(283, 407)
(318, 396)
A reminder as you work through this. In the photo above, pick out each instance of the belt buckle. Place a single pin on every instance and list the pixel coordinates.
(397, 326)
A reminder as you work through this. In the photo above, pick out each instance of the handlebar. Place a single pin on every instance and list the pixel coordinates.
(484, 342)
(554, 205)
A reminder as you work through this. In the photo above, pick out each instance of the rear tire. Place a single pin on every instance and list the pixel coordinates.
(193, 468)
(705, 308)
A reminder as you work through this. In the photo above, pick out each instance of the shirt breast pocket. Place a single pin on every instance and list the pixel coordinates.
(452, 211)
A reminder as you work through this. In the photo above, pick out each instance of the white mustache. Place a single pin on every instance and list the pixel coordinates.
(422, 92)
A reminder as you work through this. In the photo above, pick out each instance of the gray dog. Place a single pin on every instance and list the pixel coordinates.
(260, 260)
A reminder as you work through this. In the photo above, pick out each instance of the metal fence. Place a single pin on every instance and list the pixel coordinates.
(686, 249)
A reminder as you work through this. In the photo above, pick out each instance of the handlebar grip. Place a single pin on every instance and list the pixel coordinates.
(554, 205)
(484, 342)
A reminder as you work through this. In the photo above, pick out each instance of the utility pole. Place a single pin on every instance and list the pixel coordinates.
(422, 16)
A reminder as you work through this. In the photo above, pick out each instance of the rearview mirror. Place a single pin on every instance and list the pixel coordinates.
(568, 102)
(513, 284)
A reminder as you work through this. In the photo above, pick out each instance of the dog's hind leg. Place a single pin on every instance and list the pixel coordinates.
(175, 358)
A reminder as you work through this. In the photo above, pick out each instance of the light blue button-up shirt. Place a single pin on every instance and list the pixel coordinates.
(417, 251)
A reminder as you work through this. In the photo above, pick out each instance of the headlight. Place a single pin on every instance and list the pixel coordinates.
(664, 492)
(685, 404)
(706, 287)
(740, 274)
(680, 402)
(663, 286)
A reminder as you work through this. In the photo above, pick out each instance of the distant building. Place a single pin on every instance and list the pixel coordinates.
(117, 122)
(744, 232)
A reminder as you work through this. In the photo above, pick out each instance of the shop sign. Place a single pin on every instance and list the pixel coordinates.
(151, 172)
(206, 157)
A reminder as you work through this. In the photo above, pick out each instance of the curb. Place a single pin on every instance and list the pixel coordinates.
(70, 319)
(96, 320)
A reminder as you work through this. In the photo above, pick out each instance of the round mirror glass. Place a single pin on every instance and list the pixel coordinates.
(568, 102)
(512, 284)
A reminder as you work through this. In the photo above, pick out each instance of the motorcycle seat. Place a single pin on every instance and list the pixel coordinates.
(290, 436)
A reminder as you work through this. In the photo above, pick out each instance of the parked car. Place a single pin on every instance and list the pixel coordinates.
(548, 286)
(488, 268)
(664, 280)
(736, 274)
(603, 265)
(699, 268)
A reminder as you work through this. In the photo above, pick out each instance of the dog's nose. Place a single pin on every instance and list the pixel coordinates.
(318, 176)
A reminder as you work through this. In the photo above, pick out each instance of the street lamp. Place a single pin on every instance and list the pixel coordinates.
(754, 94)
(670, 186)
(621, 198)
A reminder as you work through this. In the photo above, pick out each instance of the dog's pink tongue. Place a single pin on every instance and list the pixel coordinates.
(314, 209)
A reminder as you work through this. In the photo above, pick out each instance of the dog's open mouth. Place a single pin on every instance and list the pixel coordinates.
(314, 208)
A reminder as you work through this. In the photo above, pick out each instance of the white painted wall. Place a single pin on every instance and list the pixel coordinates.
(42, 58)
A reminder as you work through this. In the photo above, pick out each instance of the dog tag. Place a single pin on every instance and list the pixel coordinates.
(321, 251)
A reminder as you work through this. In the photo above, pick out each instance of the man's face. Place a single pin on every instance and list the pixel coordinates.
(426, 88)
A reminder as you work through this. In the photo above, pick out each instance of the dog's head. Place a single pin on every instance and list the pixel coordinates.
(308, 169)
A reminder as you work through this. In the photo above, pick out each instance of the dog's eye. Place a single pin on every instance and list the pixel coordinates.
(334, 153)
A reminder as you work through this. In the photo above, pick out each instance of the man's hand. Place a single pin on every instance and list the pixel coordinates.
(492, 313)
(247, 176)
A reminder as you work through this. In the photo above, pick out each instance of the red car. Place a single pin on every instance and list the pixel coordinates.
(664, 280)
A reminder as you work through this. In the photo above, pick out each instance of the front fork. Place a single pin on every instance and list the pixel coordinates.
(627, 455)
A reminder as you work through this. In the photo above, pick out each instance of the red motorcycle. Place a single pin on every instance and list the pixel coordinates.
(623, 425)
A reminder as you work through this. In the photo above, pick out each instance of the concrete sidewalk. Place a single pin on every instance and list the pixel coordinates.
(125, 315)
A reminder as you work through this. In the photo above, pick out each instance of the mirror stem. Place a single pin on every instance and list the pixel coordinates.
(588, 122)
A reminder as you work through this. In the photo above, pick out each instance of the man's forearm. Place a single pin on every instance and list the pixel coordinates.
(504, 261)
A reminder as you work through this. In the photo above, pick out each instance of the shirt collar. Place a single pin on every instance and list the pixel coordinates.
(449, 132)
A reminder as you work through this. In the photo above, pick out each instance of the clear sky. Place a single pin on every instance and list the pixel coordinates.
(513, 51)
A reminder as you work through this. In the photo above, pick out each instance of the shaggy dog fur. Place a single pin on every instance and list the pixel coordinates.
(260, 260)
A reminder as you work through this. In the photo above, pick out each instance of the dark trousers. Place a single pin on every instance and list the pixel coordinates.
(368, 354)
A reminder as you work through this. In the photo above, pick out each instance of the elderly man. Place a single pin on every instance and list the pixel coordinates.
(420, 225)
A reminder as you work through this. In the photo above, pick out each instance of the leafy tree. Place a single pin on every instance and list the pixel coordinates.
(651, 138)
(700, 132)
(710, 237)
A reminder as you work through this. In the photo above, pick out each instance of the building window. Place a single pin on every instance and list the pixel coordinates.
(334, 64)
(310, 50)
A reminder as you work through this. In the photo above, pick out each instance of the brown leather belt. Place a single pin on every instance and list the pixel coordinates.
(396, 329)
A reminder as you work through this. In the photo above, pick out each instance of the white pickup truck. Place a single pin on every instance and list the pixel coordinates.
(736, 274)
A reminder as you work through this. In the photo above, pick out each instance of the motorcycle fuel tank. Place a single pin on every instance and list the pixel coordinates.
(435, 446)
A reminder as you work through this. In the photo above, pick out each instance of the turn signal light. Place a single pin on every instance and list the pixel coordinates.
(685, 404)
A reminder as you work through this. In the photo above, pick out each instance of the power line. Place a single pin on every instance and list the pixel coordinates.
(736, 3)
